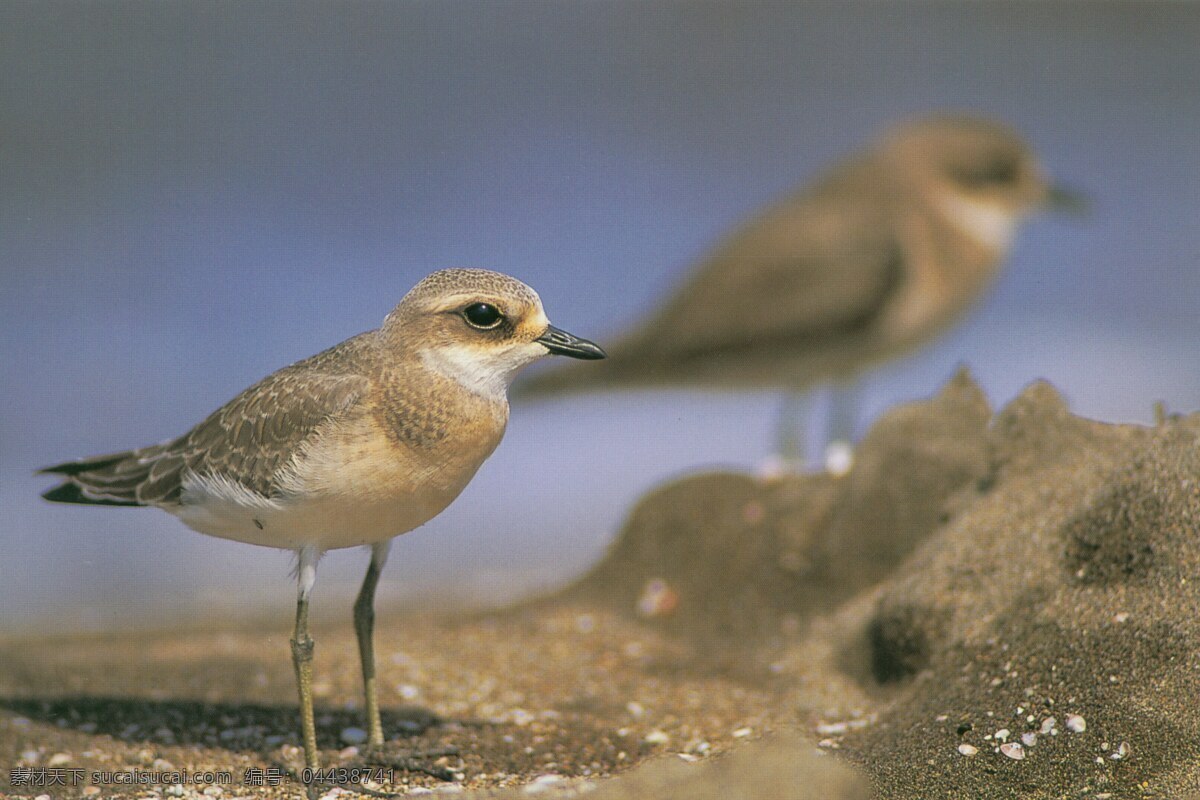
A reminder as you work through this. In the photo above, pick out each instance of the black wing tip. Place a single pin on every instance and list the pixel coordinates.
(71, 493)
(76, 467)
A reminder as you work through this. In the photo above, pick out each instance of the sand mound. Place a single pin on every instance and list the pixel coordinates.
(1018, 596)
(727, 555)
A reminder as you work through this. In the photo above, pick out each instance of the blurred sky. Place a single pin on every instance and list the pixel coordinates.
(195, 194)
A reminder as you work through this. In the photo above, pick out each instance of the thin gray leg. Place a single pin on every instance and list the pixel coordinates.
(364, 627)
(302, 657)
(793, 419)
(843, 420)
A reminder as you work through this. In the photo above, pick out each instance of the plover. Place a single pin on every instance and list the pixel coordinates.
(353, 446)
(879, 256)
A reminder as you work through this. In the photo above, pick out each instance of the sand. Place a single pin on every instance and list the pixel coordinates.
(988, 606)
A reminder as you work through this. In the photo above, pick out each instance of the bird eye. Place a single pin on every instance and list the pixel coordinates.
(996, 171)
(482, 315)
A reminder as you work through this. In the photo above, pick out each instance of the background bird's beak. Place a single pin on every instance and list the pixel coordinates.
(562, 343)
(1061, 198)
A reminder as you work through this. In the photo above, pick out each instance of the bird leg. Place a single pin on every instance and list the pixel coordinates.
(302, 657)
(364, 627)
(843, 418)
(790, 453)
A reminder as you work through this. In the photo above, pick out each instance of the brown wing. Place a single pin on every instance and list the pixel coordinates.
(248, 440)
(806, 271)
(817, 269)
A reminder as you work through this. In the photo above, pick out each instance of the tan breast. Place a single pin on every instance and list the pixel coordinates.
(947, 272)
(398, 464)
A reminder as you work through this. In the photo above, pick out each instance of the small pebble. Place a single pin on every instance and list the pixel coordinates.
(353, 735)
(1076, 723)
(91, 791)
(1003, 734)
(542, 783)
(1013, 750)
(657, 599)
(967, 750)
(635, 709)
(43, 797)
(1029, 739)
(1047, 725)
(58, 759)
(742, 733)
(656, 737)
(175, 790)
(753, 512)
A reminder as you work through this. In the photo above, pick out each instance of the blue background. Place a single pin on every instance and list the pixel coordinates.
(195, 194)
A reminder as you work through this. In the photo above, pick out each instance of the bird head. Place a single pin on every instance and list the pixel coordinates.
(981, 172)
(478, 328)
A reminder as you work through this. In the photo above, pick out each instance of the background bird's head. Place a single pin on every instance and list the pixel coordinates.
(979, 172)
(976, 159)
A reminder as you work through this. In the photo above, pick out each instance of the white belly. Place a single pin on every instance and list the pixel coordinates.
(324, 521)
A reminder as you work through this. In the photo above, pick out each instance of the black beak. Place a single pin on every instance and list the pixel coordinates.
(1060, 198)
(564, 344)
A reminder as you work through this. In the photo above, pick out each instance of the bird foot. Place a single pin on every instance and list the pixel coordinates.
(839, 458)
(389, 758)
(376, 765)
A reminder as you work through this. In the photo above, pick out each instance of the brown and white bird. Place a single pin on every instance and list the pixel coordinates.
(353, 446)
(879, 256)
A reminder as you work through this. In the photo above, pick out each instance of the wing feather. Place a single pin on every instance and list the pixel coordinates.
(248, 441)
(797, 276)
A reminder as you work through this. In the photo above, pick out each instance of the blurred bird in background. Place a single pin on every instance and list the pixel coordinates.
(875, 259)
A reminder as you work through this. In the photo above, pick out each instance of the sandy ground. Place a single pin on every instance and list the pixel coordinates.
(988, 606)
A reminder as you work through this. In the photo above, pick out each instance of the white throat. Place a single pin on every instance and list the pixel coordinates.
(989, 224)
(487, 374)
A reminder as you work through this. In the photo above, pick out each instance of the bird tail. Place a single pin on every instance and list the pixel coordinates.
(116, 479)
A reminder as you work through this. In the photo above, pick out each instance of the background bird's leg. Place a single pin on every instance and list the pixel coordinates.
(302, 656)
(364, 627)
(790, 436)
(843, 419)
